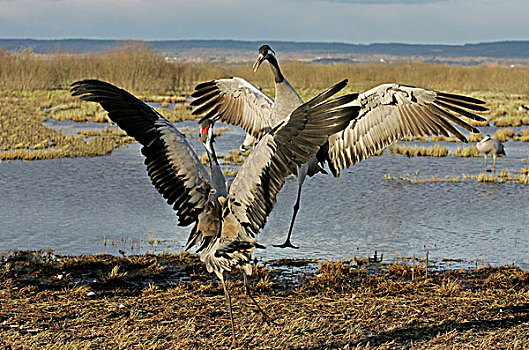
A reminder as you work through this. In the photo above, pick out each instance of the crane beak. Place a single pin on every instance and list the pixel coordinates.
(258, 62)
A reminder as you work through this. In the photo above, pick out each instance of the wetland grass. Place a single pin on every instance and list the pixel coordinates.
(504, 176)
(113, 302)
(470, 151)
(36, 86)
(473, 137)
(230, 172)
(235, 157)
(503, 134)
(414, 179)
(416, 151)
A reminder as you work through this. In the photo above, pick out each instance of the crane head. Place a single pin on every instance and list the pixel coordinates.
(485, 139)
(265, 52)
(206, 132)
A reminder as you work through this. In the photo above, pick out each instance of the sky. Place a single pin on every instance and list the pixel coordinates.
(350, 21)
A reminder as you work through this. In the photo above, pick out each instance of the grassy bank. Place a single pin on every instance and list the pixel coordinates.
(136, 67)
(34, 88)
(170, 301)
(503, 176)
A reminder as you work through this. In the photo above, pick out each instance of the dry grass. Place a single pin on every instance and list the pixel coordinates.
(503, 176)
(415, 151)
(470, 151)
(236, 157)
(503, 134)
(230, 172)
(23, 135)
(338, 306)
(414, 179)
(475, 137)
(34, 87)
(504, 108)
(136, 67)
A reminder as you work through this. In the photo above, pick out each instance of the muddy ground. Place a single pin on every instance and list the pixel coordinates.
(169, 301)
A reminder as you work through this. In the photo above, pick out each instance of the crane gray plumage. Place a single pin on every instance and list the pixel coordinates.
(489, 146)
(226, 222)
(388, 113)
(238, 102)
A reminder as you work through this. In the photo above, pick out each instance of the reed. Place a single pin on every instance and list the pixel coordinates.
(524, 171)
(473, 137)
(504, 134)
(34, 88)
(415, 151)
(137, 67)
(504, 176)
(470, 151)
(524, 135)
(230, 172)
(483, 177)
(235, 157)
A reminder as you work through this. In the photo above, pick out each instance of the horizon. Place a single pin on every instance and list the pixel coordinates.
(271, 40)
(361, 22)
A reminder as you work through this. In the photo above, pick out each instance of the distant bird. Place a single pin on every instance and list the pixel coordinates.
(523, 108)
(388, 113)
(225, 221)
(489, 146)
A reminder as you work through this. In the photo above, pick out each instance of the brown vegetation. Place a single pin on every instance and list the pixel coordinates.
(24, 136)
(522, 178)
(36, 87)
(136, 67)
(416, 151)
(470, 151)
(169, 301)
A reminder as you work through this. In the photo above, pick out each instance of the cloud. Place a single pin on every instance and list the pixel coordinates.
(386, 2)
(352, 21)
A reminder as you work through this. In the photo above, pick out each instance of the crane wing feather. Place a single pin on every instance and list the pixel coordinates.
(279, 153)
(236, 102)
(391, 112)
(172, 165)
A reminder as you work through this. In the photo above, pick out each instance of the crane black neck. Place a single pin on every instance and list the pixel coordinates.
(274, 65)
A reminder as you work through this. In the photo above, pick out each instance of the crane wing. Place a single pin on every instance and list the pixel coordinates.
(173, 166)
(391, 112)
(253, 191)
(236, 102)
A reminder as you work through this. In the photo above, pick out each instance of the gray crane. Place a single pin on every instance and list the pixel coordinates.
(226, 222)
(388, 113)
(489, 146)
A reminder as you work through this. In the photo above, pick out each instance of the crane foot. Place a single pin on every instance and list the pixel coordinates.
(287, 244)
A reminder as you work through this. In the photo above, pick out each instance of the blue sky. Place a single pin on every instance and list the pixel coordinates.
(352, 21)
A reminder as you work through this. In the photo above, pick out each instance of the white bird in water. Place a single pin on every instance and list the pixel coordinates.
(489, 146)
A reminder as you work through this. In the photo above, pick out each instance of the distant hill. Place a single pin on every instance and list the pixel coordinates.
(342, 51)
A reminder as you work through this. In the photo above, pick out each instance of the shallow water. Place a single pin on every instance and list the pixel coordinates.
(107, 204)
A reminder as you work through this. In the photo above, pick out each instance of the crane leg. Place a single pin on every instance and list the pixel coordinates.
(266, 318)
(486, 164)
(228, 301)
(287, 243)
(494, 165)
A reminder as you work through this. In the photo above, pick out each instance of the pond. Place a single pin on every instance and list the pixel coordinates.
(107, 205)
